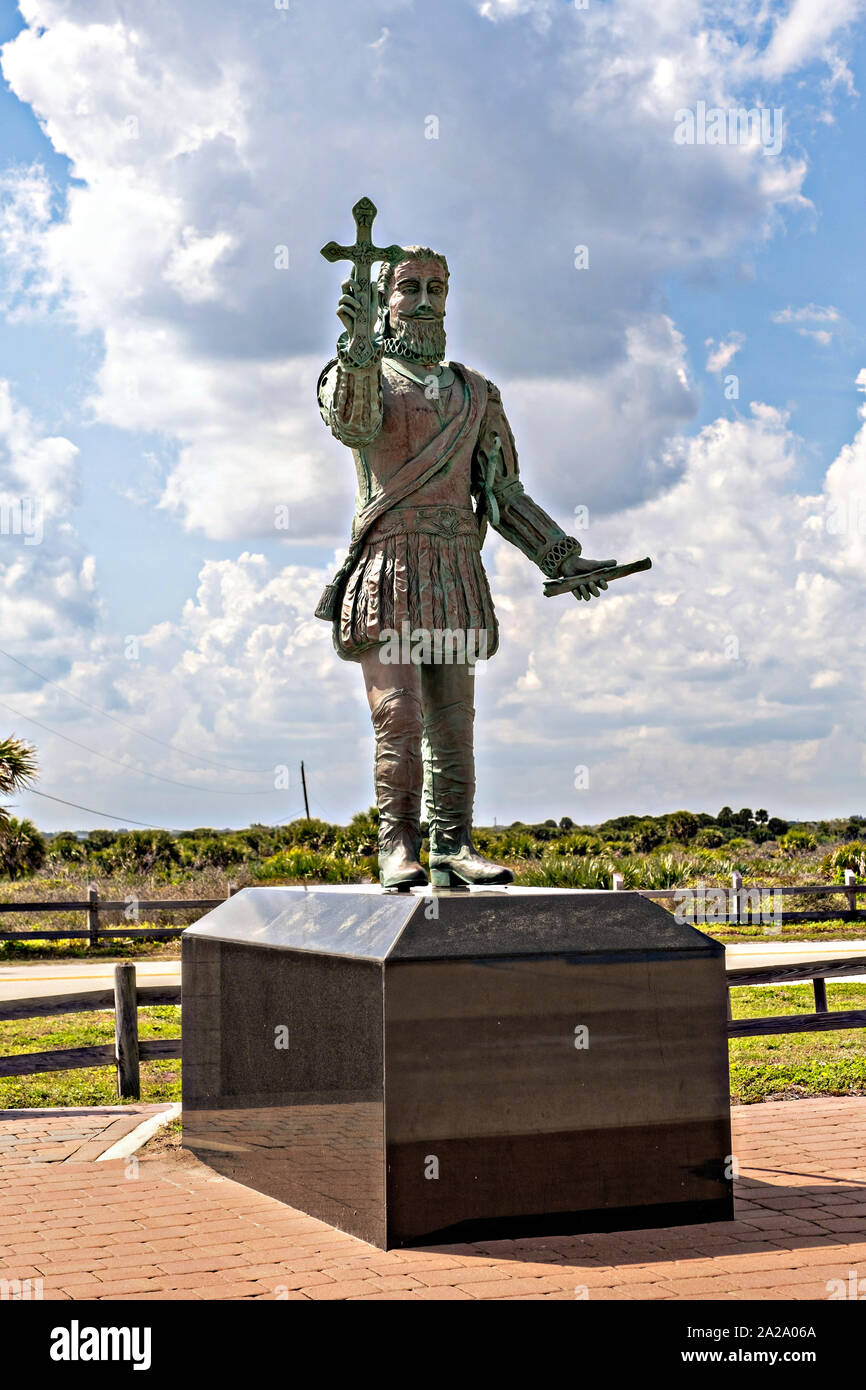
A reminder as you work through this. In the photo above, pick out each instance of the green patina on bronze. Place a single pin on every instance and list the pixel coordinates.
(436, 464)
(358, 347)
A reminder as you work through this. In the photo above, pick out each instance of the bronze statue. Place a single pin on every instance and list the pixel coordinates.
(436, 464)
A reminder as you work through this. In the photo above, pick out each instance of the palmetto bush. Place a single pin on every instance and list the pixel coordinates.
(797, 841)
(22, 848)
(507, 845)
(578, 845)
(851, 856)
(661, 871)
(302, 864)
(555, 871)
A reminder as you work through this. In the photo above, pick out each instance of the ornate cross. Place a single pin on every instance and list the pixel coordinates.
(359, 348)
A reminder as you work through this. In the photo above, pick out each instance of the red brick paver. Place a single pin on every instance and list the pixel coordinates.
(52, 1136)
(173, 1229)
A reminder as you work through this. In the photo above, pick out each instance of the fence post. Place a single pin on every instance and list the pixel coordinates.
(93, 914)
(618, 883)
(232, 889)
(126, 1032)
(736, 888)
(819, 989)
(850, 880)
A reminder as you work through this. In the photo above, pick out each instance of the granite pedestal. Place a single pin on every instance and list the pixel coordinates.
(416, 1070)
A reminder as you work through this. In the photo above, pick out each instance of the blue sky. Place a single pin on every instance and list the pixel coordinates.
(160, 378)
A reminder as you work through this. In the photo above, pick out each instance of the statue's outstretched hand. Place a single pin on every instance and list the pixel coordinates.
(579, 564)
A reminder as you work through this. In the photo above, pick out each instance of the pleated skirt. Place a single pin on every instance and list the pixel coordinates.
(434, 584)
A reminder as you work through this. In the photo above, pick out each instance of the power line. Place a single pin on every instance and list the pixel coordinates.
(106, 815)
(142, 772)
(193, 757)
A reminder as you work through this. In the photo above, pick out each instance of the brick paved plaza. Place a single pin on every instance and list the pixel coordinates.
(169, 1228)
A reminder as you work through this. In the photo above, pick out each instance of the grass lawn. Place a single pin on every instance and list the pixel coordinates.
(793, 1065)
(831, 930)
(160, 1081)
(783, 1067)
(121, 948)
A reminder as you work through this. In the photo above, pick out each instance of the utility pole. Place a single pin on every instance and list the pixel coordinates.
(304, 785)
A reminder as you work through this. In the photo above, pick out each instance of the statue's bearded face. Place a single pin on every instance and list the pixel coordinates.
(416, 307)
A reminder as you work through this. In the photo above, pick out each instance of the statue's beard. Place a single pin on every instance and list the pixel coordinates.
(424, 338)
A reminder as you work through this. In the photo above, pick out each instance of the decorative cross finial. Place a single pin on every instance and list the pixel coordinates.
(359, 348)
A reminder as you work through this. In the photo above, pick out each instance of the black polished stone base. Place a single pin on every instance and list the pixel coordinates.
(574, 1223)
(491, 1064)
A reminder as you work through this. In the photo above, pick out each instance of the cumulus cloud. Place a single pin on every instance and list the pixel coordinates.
(169, 242)
(728, 665)
(605, 439)
(209, 162)
(804, 321)
(806, 32)
(723, 352)
(46, 577)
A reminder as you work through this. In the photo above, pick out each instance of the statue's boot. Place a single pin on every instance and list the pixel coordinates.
(449, 792)
(397, 724)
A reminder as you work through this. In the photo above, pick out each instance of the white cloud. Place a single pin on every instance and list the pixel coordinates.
(46, 578)
(178, 135)
(191, 265)
(601, 439)
(811, 314)
(804, 32)
(249, 437)
(729, 665)
(723, 352)
(199, 148)
(25, 215)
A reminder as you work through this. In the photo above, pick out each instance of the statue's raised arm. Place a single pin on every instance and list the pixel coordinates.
(350, 388)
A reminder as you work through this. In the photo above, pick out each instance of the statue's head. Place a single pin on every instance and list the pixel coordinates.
(412, 297)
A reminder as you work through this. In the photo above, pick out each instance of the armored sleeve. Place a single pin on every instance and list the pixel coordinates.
(350, 400)
(509, 509)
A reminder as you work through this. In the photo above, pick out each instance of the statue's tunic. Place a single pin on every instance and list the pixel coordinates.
(421, 463)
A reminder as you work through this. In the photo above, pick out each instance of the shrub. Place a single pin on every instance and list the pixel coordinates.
(555, 872)
(797, 841)
(661, 871)
(299, 863)
(710, 837)
(646, 835)
(682, 826)
(68, 847)
(577, 845)
(851, 856)
(22, 848)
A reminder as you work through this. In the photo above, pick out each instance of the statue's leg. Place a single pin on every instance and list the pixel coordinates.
(449, 777)
(394, 693)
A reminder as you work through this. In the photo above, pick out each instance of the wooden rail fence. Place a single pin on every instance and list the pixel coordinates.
(93, 905)
(753, 905)
(750, 905)
(124, 1053)
(127, 1050)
